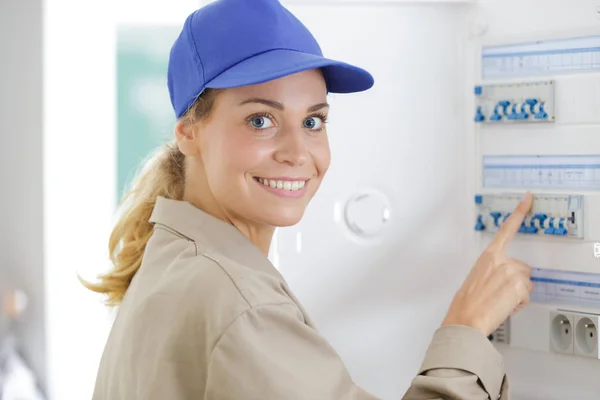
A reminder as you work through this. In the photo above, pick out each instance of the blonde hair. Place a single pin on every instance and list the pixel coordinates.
(162, 175)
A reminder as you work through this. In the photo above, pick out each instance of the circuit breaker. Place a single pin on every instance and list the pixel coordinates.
(557, 215)
(522, 102)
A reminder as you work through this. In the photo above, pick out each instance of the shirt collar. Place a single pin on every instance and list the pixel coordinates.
(211, 232)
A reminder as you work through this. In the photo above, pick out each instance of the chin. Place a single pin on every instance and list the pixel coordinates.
(285, 217)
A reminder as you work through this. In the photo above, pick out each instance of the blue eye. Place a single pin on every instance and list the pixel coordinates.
(313, 123)
(261, 122)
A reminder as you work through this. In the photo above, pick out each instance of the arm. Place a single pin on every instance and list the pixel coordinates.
(269, 353)
(460, 364)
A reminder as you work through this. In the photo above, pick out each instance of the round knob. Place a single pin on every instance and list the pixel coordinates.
(367, 213)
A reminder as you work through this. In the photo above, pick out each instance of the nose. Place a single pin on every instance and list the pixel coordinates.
(291, 147)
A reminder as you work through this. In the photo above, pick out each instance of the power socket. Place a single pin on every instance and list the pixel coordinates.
(562, 326)
(502, 333)
(586, 335)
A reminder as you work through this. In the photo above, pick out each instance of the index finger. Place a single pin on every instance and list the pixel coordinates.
(511, 226)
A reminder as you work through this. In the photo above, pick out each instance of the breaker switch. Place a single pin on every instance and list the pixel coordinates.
(479, 226)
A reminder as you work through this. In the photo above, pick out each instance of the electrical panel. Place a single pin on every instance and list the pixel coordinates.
(535, 132)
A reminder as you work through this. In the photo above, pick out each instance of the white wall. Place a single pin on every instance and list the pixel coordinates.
(379, 302)
(79, 186)
(21, 253)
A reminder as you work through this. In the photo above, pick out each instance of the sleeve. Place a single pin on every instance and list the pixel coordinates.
(269, 353)
(460, 364)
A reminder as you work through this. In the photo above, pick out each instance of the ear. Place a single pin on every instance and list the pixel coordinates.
(186, 135)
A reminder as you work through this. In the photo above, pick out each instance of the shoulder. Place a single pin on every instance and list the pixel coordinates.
(182, 301)
(188, 282)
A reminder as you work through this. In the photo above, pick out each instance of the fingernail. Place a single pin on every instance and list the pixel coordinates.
(526, 197)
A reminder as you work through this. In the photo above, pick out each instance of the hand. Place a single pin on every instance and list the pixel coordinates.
(498, 285)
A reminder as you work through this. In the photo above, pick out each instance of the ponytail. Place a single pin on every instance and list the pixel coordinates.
(163, 175)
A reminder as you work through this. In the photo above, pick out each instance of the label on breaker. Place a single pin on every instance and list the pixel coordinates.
(566, 287)
(557, 215)
(565, 55)
(579, 172)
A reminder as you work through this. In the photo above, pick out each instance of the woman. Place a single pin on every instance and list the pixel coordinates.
(203, 313)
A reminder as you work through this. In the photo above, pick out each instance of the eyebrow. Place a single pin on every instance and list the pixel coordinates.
(277, 105)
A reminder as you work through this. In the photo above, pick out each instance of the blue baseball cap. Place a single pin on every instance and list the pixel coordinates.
(231, 43)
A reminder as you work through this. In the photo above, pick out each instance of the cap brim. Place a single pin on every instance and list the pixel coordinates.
(340, 77)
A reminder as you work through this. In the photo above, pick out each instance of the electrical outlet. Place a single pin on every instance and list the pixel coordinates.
(561, 332)
(586, 335)
(502, 334)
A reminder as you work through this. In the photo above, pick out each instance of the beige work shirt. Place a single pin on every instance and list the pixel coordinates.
(207, 316)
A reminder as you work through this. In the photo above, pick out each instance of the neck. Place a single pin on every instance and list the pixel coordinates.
(260, 235)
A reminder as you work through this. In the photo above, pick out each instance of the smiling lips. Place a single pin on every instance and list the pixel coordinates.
(290, 187)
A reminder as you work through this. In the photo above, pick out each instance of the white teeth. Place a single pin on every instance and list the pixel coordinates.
(286, 185)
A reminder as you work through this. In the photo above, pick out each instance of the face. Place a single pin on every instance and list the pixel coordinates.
(263, 152)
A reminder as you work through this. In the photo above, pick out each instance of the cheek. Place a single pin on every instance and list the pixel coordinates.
(322, 157)
(250, 157)
(219, 161)
(254, 154)
(238, 157)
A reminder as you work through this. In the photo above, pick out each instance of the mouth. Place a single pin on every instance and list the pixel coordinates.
(287, 187)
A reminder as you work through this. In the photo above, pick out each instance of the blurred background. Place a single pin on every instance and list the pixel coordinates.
(83, 100)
